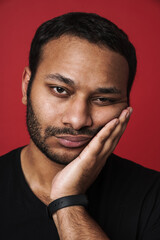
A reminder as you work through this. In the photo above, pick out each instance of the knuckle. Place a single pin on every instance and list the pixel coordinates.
(101, 139)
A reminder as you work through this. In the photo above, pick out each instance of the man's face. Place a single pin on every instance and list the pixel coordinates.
(77, 89)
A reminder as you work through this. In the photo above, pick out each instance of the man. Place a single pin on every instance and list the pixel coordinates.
(76, 88)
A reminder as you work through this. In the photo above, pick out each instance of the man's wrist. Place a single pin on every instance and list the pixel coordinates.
(68, 201)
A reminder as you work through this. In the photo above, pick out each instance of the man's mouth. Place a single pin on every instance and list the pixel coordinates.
(73, 141)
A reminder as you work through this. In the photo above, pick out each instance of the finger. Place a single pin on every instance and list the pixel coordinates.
(96, 144)
(123, 121)
(117, 133)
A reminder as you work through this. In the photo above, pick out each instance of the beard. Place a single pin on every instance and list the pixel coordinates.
(35, 131)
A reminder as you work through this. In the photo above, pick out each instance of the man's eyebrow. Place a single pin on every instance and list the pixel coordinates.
(60, 78)
(112, 90)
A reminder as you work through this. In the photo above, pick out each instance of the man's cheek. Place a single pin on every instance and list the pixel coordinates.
(118, 109)
(110, 114)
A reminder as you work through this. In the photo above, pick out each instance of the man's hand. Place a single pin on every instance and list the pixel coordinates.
(78, 175)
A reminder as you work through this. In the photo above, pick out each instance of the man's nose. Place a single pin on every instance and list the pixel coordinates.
(77, 115)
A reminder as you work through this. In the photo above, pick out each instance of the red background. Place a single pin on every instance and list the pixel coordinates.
(139, 18)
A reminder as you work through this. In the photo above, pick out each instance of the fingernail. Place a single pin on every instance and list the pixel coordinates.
(127, 114)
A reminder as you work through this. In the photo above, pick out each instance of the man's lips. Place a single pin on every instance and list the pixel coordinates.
(73, 141)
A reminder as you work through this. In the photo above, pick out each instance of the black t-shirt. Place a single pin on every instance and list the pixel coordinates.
(124, 200)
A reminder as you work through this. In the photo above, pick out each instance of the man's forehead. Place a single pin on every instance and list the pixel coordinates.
(68, 42)
(78, 59)
(81, 48)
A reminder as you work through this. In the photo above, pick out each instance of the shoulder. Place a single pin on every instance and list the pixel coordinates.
(126, 168)
(128, 173)
(8, 160)
(116, 160)
(10, 155)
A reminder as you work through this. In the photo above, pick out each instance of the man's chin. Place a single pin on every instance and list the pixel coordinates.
(60, 158)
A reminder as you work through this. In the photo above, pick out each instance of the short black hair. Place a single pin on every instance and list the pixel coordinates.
(89, 26)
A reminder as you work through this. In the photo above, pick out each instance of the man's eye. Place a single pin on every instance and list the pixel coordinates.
(59, 90)
(104, 101)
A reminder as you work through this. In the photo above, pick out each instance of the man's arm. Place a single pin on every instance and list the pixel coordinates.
(74, 222)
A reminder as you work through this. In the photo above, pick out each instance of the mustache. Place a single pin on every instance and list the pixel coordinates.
(53, 131)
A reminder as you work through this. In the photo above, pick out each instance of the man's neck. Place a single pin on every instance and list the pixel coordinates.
(39, 171)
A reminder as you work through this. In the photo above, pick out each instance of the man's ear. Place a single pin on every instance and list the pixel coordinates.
(25, 81)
